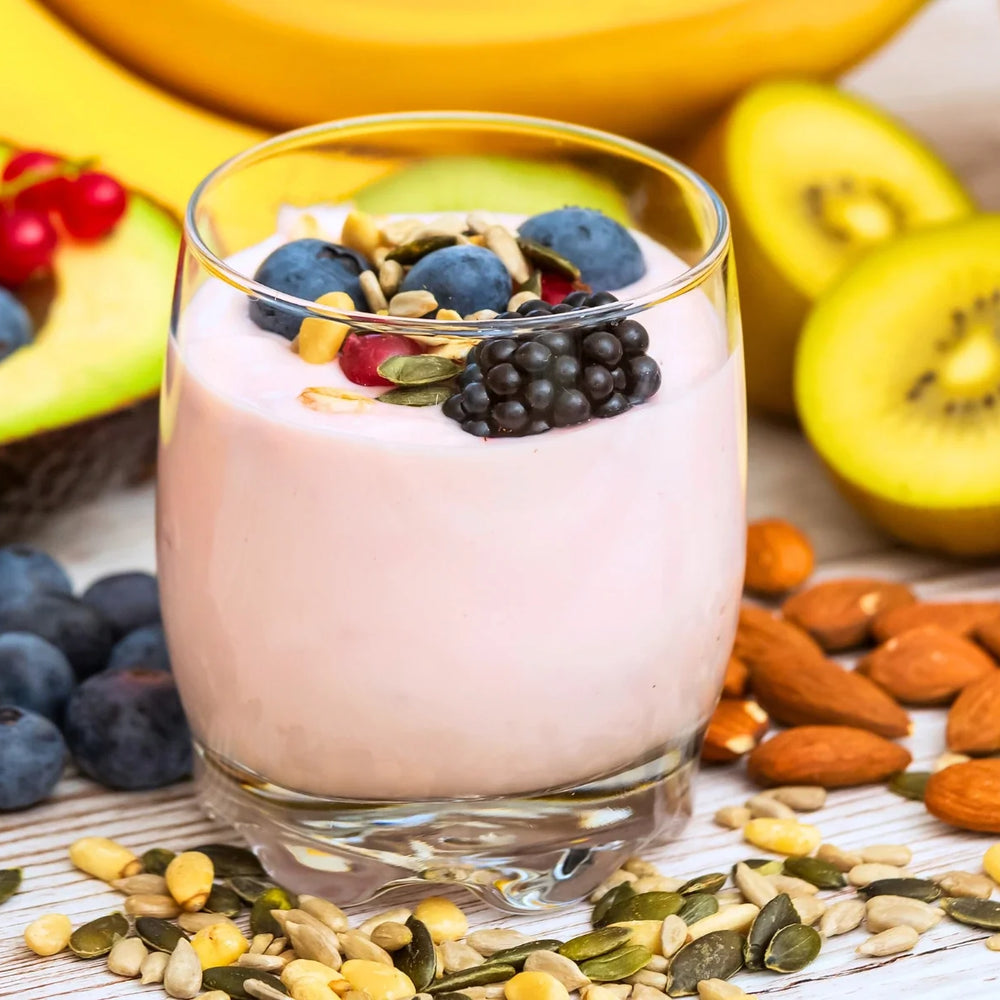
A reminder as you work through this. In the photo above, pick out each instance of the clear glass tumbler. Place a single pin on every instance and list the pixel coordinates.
(412, 647)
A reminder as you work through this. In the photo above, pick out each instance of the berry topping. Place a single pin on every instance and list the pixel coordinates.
(463, 278)
(92, 204)
(15, 324)
(45, 196)
(25, 571)
(32, 755)
(306, 269)
(143, 647)
(555, 287)
(362, 354)
(34, 675)
(126, 600)
(27, 242)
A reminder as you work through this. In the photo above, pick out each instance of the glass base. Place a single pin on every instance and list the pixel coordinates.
(519, 853)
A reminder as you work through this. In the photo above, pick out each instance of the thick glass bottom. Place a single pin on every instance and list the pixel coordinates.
(530, 852)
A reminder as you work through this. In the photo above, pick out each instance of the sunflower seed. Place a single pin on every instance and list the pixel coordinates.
(126, 957)
(673, 934)
(559, 967)
(719, 989)
(413, 304)
(765, 806)
(616, 965)
(98, 937)
(755, 887)
(277, 946)
(843, 861)
(993, 942)
(513, 304)
(640, 991)
(821, 874)
(640, 866)
(984, 913)
(500, 241)
(657, 883)
(809, 908)
(718, 955)
(259, 990)
(457, 955)
(259, 943)
(801, 798)
(792, 885)
(153, 966)
(887, 854)
(392, 936)
(884, 912)
(712, 882)
(958, 883)
(605, 991)
(141, 885)
(418, 959)
(314, 942)
(595, 943)
(890, 942)
(738, 917)
(355, 945)
(732, 817)
(194, 922)
(262, 963)
(182, 977)
(698, 906)
(517, 955)
(792, 948)
(491, 940)
(658, 963)
(165, 907)
(948, 759)
(229, 860)
(765, 866)
(479, 222)
(651, 980)
(482, 975)
(912, 888)
(863, 874)
(841, 917)
(325, 912)
(400, 231)
(774, 915)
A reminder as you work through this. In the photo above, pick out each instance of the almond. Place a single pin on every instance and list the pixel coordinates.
(735, 728)
(838, 613)
(800, 692)
(988, 636)
(737, 675)
(966, 795)
(974, 719)
(926, 666)
(779, 557)
(762, 635)
(831, 756)
(960, 617)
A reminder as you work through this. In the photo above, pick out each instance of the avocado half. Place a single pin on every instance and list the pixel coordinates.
(79, 404)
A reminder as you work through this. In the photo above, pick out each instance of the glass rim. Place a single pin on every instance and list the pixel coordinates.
(690, 278)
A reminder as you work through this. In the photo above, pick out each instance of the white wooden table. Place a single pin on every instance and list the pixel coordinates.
(943, 75)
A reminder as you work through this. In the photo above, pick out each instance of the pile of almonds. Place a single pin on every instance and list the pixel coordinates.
(841, 722)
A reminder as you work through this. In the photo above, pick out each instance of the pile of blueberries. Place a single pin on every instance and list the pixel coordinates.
(86, 677)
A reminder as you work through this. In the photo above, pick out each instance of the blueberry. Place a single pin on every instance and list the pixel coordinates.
(127, 600)
(15, 324)
(24, 571)
(510, 416)
(306, 269)
(571, 408)
(632, 336)
(126, 729)
(143, 647)
(79, 630)
(503, 379)
(604, 250)
(32, 756)
(34, 675)
(613, 406)
(603, 347)
(597, 383)
(643, 378)
(463, 278)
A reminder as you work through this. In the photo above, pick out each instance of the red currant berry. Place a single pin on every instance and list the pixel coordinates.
(45, 196)
(555, 288)
(93, 205)
(361, 356)
(27, 243)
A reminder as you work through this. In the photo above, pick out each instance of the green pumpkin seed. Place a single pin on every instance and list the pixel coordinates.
(518, 955)
(417, 959)
(645, 906)
(275, 898)
(610, 899)
(429, 395)
(698, 905)
(223, 900)
(229, 860)
(533, 284)
(417, 369)
(98, 937)
(774, 915)
(910, 784)
(156, 859)
(160, 935)
(818, 873)
(547, 259)
(410, 253)
(453, 996)
(712, 882)
(10, 882)
(792, 948)
(766, 866)
(249, 887)
(595, 943)
(480, 975)
(616, 965)
(984, 913)
(231, 979)
(717, 955)
(912, 888)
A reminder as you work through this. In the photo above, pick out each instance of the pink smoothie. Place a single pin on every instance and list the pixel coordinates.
(378, 605)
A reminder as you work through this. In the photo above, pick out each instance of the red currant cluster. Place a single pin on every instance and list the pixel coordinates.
(41, 195)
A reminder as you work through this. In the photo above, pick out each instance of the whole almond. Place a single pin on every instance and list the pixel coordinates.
(762, 635)
(734, 685)
(831, 756)
(960, 617)
(966, 795)
(838, 613)
(809, 691)
(735, 728)
(988, 636)
(974, 718)
(926, 666)
(779, 557)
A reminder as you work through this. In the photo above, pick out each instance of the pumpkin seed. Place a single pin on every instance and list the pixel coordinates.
(532, 285)
(765, 866)
(417, 959)
(410, 253)
(712, 882)
(223, 900)
(614, 895)
(517, 955)
(275, 898)
(645, 906)
(232, 979)
(417, 369)
(910, 784)
(984, 913)
(595, 943)
(10, 881)
(431, 395)
(249, 887)
(774, 915)
(698, 905)
(792, 948)
(98, 937)
(452, 996)
(616, 965)
(160, 935)
(548, 260)
(229, 860)
(718, 955)
(481, 975)
(913, 888)
(156, 859)
(821, 874)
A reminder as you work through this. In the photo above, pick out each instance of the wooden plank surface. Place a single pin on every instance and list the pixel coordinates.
(943, 76)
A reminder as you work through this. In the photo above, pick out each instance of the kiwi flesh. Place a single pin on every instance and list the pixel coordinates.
(897, 384)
